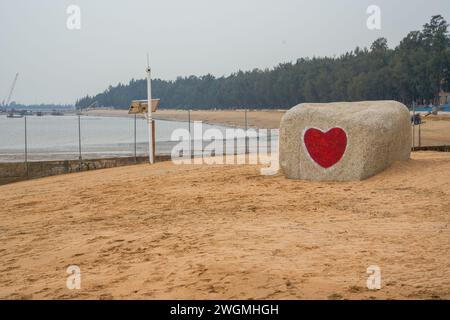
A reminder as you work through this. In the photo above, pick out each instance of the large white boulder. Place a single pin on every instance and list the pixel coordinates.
(343, 141)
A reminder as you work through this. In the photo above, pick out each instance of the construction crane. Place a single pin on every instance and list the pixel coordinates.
(5, 103)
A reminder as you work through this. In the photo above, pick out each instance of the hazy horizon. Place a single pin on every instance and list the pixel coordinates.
(58, 65)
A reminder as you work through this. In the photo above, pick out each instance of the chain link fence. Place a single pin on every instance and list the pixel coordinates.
(430, 126)
(84, 137)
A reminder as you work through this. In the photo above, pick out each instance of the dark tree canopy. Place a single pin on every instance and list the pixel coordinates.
(416, 70)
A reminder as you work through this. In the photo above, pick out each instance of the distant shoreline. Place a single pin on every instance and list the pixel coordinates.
(262, 119)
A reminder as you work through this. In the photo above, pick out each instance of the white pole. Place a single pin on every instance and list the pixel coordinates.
(414, 125)
(149, 113)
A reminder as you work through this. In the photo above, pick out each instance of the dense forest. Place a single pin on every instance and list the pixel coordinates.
(416, 70)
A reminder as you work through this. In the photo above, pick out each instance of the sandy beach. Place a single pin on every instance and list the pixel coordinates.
(225, 232)
(234, 159)
(267, 119)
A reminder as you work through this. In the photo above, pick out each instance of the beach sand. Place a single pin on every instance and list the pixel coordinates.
(225, 232)
(255, 119)
(267, 119)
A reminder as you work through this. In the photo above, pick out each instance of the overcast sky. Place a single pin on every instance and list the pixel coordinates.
(58, 65)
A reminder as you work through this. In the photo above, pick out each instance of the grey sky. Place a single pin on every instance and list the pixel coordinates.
(58, 65)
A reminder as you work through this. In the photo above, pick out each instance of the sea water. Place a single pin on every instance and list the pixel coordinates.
(57, 137)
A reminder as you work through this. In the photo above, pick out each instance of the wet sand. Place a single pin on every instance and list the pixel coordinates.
(226, 232)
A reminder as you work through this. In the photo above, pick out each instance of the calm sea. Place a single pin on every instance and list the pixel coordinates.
(56, 137)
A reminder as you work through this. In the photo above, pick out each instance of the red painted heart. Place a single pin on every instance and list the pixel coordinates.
(326, 148)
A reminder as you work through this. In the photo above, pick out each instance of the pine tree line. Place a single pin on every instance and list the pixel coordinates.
(416, 70)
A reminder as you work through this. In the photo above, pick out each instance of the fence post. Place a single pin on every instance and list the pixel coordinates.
(257, 144)
(224, 147)
(420, 134)
(80, 159)
(246, 133)
(235, 147)
(135, 148)
(26, 148)
(414, 125)
(154, 140)
(190, 135)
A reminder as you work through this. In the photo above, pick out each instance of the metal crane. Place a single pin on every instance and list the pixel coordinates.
(6, 102)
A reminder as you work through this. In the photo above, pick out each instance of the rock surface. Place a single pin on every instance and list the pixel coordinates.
(343, 141)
